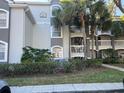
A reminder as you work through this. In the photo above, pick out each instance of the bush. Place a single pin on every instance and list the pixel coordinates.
(68, 67)
(79, 64)
(94, 62)
(111, 60)
(83, 64)
(110, 56)
(28, 69)
(32, 55)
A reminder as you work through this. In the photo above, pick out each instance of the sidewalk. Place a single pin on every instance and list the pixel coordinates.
(61, 88)
(113, 67)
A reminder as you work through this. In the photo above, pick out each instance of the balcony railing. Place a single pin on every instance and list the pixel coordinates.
(119, 44)
(104, 42)
(77, 49)
(104, 33)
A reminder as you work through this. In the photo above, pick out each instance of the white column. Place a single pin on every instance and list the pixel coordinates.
(65, 42)
(17, 30)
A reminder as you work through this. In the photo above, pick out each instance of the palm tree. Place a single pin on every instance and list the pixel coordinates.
(119, 5)
(99, 19)
(71, 13)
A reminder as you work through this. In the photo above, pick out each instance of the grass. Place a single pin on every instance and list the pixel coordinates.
(92, 75)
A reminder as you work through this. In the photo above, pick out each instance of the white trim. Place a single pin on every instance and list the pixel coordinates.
(51, 8)
(59, 47)
(6, 51)
(56, 36)
(7, 21)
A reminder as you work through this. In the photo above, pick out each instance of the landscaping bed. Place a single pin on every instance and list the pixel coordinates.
(90, 75)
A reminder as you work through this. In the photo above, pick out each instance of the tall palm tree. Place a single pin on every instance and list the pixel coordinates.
(99, 19)
(76, 9)
(71, 13)
(119, 5)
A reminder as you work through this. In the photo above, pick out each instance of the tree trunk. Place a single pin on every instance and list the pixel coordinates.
(97, 47)
(119, 5)
(92, 53)
(84, 37)
(88, 47)
(112, 42)
(69, 45)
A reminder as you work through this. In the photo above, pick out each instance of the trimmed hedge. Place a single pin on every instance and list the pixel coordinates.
(28, 69)
(47, 67)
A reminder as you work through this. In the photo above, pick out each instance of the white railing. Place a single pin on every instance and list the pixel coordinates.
(104, 42)
(77, 48)
(104, 33)
(119, 43)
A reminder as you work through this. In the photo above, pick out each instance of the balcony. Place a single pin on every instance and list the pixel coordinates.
(77, 51)
(105, 44)
(104, 33)
(119, 44)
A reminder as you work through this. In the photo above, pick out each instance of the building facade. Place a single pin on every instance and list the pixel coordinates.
(4, 30)
(29, 24)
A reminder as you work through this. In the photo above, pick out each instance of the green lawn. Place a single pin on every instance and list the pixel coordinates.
(92, 75)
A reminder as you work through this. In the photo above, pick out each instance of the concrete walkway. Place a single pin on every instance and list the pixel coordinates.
(62, 88)
(113, 67)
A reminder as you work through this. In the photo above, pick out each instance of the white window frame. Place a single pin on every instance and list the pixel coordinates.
(56, 36)
(7, 20)
(57, 47)
(54, 5)
(6, 51)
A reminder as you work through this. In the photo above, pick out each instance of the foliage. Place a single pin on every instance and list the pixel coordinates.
(79, 64)
(117, 28)
(68, 67)
(32, 55)
(47, 67)
(28, 69)
(94, 62)
(91, 75)
(110, 56)
(110, 60)
(84, 64)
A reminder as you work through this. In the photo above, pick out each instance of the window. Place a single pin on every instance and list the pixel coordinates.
(54, 9)
(57, 52)
(3, 51)
(56, 33)
(77, 41)
(4, 18)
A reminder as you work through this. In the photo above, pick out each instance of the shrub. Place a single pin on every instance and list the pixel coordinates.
(110, 56)
(68, 67)
(32, 55)
(28, 69)
(93, 62)
(111, 60)
(83, 64)
(79, 64)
